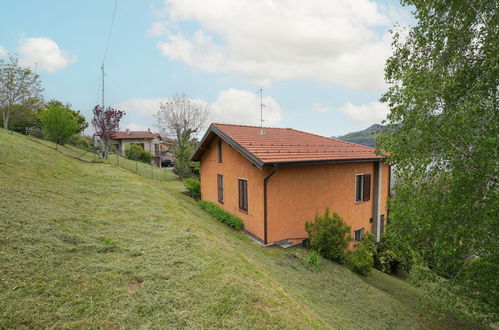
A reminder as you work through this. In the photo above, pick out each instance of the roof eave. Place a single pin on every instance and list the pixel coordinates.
(326, 161)
(201, 148)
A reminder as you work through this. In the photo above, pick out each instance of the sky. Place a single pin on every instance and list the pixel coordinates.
(319, 63)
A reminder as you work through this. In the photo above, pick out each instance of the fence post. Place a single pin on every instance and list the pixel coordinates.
(152, 172)
(117, 159)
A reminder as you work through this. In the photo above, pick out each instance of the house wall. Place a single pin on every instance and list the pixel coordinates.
(296, 193)
(233, 166)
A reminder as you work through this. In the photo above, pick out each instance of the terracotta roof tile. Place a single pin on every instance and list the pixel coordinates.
(121, 135)
(289, 145)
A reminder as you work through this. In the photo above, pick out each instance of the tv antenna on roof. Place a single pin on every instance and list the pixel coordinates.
(261, 111)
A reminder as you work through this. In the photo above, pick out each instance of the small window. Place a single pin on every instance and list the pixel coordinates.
(357, 235)
(243, 195)
(219, 151)
(220, 184)
(362, 187)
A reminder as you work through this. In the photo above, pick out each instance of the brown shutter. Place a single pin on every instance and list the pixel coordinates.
(240, 186)
(367, 187)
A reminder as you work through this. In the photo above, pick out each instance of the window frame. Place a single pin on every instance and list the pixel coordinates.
(220, 188)
(219, 151)
(361, 230)
(242, 201)
(361, 199)
(364, 197)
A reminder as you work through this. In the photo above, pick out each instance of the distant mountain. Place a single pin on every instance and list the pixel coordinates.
(366, 137)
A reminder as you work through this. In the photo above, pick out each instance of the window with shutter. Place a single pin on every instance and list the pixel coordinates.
(243, 194)
(366, 187)
(358, 187)
(220, 184)
(357, 235)
(219, 151)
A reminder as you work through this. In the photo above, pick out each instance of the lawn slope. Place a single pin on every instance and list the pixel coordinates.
(95, 245)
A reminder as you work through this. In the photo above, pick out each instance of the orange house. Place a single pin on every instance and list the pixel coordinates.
(275, 179)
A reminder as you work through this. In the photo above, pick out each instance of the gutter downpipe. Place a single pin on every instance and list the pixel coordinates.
(274, 169)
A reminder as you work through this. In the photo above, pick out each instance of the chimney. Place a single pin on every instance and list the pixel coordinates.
(127, 131)
(149, 130)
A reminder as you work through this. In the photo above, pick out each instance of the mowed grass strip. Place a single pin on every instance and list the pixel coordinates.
(95, 245)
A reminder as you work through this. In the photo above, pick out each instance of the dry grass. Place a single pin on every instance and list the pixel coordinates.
(93, 245)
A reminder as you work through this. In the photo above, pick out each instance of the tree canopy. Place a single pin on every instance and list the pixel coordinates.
(106, 122)
(442, 138)
(181, 118)
(18, 85)
(58, 122)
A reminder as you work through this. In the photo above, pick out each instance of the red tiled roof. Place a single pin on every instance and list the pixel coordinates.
(286, 145)
(121, 135)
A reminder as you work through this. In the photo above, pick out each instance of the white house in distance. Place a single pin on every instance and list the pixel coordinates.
(159, 147)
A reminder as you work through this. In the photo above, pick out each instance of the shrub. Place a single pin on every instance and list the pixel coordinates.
(390, 255)
(221, 215)
(82, 142)
(135, 152)
(194, 187)
(393, 254)
(313, 259)
(329, 235)
(360, 261)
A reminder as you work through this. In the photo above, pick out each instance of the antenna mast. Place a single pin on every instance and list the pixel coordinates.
(261, 112)
(102, 69)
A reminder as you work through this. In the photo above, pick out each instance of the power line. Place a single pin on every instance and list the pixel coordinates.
(110, 31)
(106, 50)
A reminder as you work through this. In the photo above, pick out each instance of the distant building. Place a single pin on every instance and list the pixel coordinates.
(159, 147)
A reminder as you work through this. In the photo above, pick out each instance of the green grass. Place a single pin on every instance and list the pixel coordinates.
(94, 245)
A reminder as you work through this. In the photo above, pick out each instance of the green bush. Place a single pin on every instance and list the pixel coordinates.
(81, 142)
(393, 254)
(329, 235)
(194, 187)
(135, 152)
(221, 215)
(390, 255)
(360, 261)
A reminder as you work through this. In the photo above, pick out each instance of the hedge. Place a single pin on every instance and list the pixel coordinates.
(221, 215)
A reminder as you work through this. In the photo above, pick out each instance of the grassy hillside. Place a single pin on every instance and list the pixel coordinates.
(95, 245)
(365, 137)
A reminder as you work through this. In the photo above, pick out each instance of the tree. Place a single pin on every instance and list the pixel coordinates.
(106, 122)
(17, 86)
(135, 152)
(81, 120)
(58, 122)
(442, 138)
(182, 118)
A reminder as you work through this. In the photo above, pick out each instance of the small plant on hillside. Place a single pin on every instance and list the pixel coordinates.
(313, 260)
(360, 261)
(194, 187)
(135, 152)
(222, 215)
(329, 235)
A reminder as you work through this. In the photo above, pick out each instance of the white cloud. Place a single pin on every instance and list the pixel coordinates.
(3, 52)
(336, 42)
(158, 29)
(320, 108)
(44, 54)
(235, 106)
(371, 113)
(144, 107)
